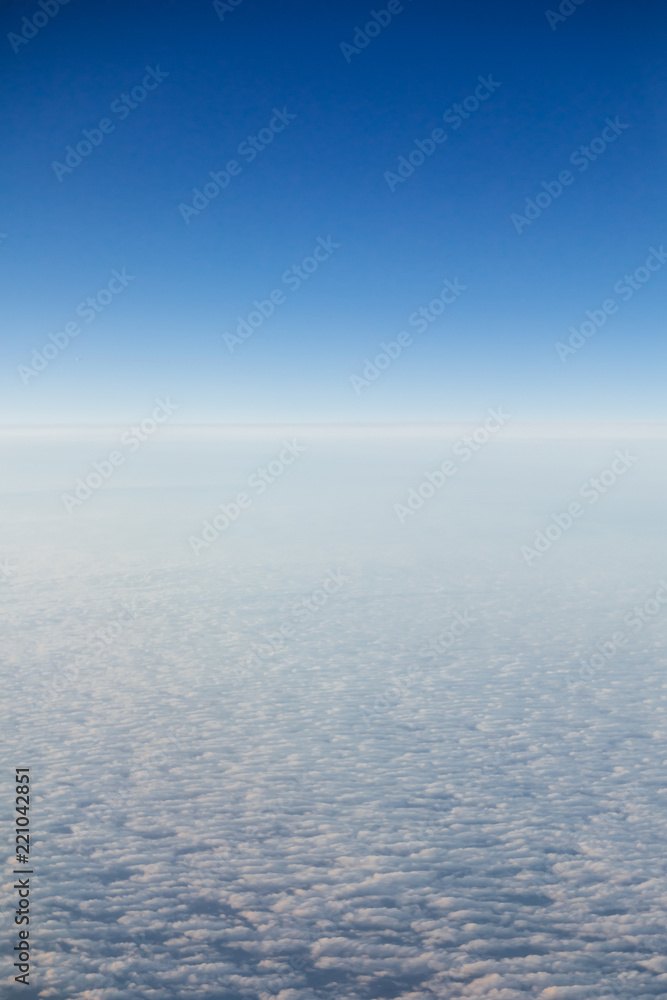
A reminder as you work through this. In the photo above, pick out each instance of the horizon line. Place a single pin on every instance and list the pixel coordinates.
(513, 430)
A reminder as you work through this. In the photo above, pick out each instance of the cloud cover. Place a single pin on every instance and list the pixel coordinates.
(488, 830)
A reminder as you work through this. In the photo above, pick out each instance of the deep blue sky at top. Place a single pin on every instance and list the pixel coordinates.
(324, 176)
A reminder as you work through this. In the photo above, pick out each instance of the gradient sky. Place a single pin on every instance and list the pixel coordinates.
(323, 175)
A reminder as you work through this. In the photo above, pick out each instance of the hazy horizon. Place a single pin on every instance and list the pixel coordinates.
(332, 492)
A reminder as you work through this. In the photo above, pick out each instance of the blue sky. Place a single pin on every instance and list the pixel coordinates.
(323, 177)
